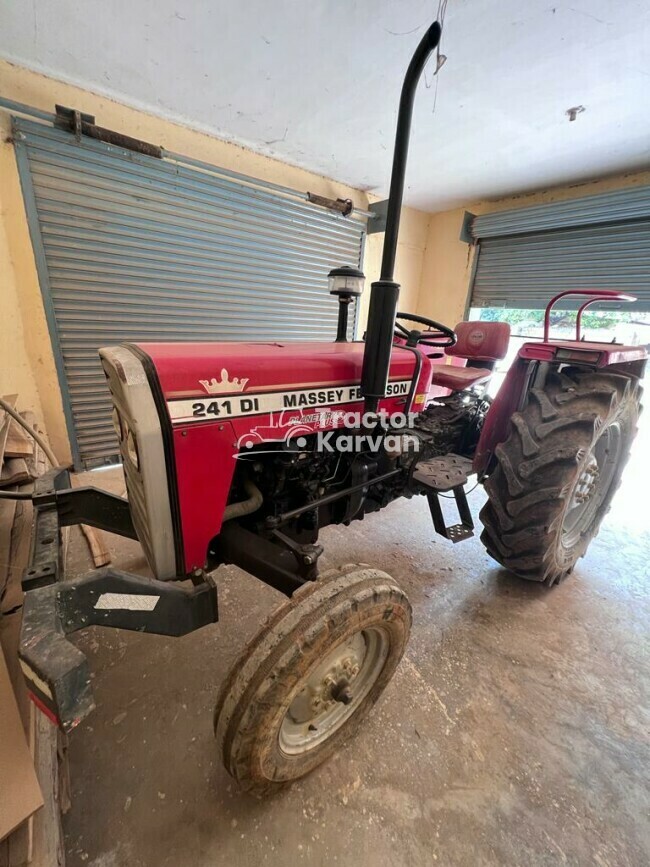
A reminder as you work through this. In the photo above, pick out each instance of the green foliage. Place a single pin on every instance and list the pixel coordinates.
(604, 319)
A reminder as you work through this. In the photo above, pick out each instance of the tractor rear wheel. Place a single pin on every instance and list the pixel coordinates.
(306, 681)
(557, 472)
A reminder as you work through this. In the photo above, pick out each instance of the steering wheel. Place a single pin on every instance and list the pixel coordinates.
(437, 335)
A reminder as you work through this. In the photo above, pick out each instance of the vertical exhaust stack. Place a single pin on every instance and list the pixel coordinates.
(385, 292)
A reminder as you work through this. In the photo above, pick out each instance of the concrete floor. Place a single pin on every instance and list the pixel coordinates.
(515, 731)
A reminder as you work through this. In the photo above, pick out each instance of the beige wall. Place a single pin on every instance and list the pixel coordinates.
(16, 374)
(447, 264)
(411, 249)
(26, 358)
(445, 269)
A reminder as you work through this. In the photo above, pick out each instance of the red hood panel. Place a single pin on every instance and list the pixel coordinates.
(182, 366)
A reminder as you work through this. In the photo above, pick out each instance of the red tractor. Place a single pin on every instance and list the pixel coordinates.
(349, 427)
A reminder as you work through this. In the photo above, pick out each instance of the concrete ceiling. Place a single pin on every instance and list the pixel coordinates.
(317, 83)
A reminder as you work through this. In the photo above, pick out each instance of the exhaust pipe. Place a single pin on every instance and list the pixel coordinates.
(385, 292)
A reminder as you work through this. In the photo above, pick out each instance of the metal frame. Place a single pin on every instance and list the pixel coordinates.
(379, 211)
(521, 270)
(595, 295)
(56, 671)
(466, 228)
(278, 561)
(470, 288)
(615, 206)
(454, 532)
(29, 197)
(181, 159)
(362, 258)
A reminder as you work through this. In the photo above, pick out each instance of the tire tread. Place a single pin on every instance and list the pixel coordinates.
(537, 464)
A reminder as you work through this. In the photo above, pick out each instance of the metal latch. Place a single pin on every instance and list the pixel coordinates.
(75, 121)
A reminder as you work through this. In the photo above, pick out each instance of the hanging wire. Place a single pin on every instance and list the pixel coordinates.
(440, 57)
(467, 493)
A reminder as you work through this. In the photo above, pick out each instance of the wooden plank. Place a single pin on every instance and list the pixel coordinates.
(97, 545)
(5, 422)
(47, 846)
(30, 419)
(14, 472)
(31, 445)
(7, 512)
(18, 845)
(19, 444)
(9, 638)
(37, 463)
(95, 538)
(38, 840)
(20, 541)
(20, 842)
(20, 793)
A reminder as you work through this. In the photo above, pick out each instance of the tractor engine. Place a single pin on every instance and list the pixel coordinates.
(454, 423)
(312, 467)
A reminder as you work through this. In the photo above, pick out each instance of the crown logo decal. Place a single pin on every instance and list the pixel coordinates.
(223, 385)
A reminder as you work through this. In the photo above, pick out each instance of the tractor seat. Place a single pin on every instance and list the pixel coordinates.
(458, 378)
(484, 342)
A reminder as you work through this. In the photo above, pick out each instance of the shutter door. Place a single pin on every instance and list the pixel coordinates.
(599, 242)
(131, 248)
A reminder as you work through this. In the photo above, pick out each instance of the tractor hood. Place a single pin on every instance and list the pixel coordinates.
(187, 370)
(192, 408)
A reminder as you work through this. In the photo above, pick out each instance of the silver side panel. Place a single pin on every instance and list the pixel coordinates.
(146, 485)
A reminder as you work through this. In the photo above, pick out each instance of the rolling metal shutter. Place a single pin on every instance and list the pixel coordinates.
(131, 248)
(598, 242)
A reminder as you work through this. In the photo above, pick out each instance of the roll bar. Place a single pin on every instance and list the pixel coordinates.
(594, 295)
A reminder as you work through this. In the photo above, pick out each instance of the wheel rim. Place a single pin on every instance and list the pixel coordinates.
(591, 488)
(333, 690)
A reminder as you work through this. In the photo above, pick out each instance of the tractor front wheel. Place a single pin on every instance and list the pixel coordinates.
(307, 680)
(557, 472)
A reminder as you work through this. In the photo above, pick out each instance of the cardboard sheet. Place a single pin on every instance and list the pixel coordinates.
(20, 793)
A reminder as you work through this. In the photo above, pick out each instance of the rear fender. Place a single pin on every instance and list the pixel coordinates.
(497, 421)
(626, 360)
(590, 354)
